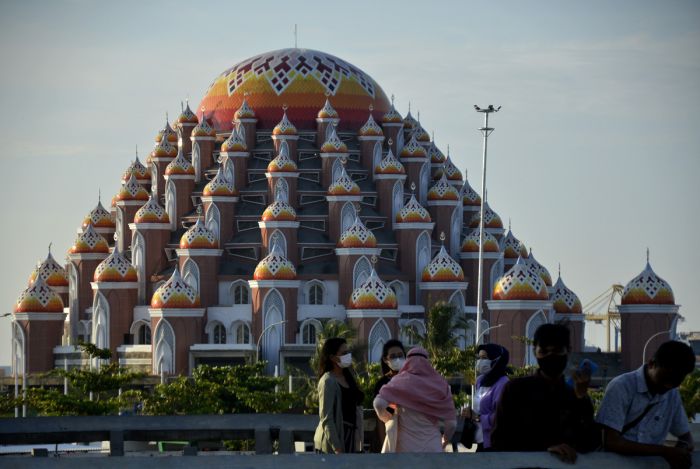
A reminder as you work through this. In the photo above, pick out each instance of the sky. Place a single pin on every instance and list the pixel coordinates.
(594, 158)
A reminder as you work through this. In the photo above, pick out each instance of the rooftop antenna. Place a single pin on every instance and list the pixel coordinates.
(295, 36)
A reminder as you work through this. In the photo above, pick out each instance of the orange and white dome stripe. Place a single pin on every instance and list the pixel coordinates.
(151, 212)
(198, 237)
(357, 236)
(244, 112)
(89, 242)
(168, 132)
(442, 269)
(116, 268)
(373, 294)
(39, 298)
(327, 111)
(520, 283)
(284, 127)
(492, 220)
(175, 294)
(413, 149)
(282, 163)
(132, 190)
(143, 174)
(203, 129)
(512, 247)
(435, 155)
(443, 190)
(180, 165)
(275, 267)
(392, 116)
(99, 218)
(187, 116)
(279, 210)
(539, 269)
(164, 149)
(413, 212)
(235, 142)
(409, 122)
(344, 185)
(450, 170)
(389, 165)
(470, 198)
(51, 272)
(371, 128)
(219, 186)
(471, 242)
(333, 144)
(564, 301)
(647, 288)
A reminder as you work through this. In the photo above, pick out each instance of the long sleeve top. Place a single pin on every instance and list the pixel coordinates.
(487, 407)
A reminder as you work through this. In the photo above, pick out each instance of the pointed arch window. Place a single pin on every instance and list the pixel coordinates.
(337, 169)
(280, 241)
(361, 272)
(422, 256)
(424, 182)
(535, 321)
(376, 155)
(347, 216)
(197, 162)
(281, 190)
(219, 334)
(139, 260)
(164, 355)
(274, 337)
(171, 203)
(213, 220)
(456, 230)
(314, 294)
(241, 332)
(378, 336)
(190, 274)
(397, 199)
(229, 170)
(100, 322)
(309, 331)
(154, 180)
(240, 293)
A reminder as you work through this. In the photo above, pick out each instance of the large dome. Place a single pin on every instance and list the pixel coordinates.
(300, 79)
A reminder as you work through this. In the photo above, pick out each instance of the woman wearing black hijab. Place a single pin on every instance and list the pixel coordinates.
(491, 370)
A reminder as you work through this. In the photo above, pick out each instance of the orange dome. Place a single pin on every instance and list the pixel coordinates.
(198, 237)
(275, 267)
(151, 212)
(279, 210)
(132, 190)
(175, 294)
(89, 241)
(244, 112)
(373, 294)
(357, 236)
(564, 300)
(39, 298)
(413, 149)
(648, 288)
(390, 165)
(285, 126)
(180, 165)
(520, 283)
(51, 272)
(99, 218)
(492, 219)
(344, 185)
(413, 212)
(116, 268)
(187, 116)
(219, 186)
(327, 111)
(235, 142)
(168, 132)
(471, 242)
(443, 269)
(333, 144)
(442, 190)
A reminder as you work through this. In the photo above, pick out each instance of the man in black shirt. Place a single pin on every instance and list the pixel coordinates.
(540, 412)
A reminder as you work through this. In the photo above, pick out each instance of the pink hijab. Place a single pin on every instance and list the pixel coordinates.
(419, 387)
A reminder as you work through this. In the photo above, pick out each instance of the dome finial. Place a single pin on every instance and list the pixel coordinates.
(392, 99)
(413, 187)
(433, 132)
(50, 244)
(99, 195)
(409, 107)
(373, 259)
(182, 107)
(418, 116)
(137, 151)
(167, 119)
(371, 108)
(442, 237)
(199, 210)
(508, 223)
(390, 141)
(448, 150)
(559, 270)
(285, 107)
(647, 255)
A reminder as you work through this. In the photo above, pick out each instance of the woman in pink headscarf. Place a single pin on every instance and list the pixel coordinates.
(420, 399)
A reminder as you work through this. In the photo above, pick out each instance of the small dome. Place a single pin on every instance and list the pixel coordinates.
(175, 294)
(198, 237)
(371, 128)
(450, 170)
(89, 242)
(164, 149)
(392, 117)
(442, 190)
(168, 132)
(203, 129)
(343, 185)
(180, 165)
(648, 288)
(491, 218)
(132, 190)
(333, 144)
(373, 294)
(413, 149)
(421, 134)
(564, 300)
(151, 212)
(389, 165)
(435, 155)
(520, 283)
(244, 112)
(282, 163)
(409, 122)
(285, 127)
(443, 269)
(219, 186)
(413, 212)
(275, 267)
(116, 268)
(357, 236)
(143, 174)
(327, 111)
(39, 298)
(187, 116)
(512, 247)
(99, 218)
(51, 272)
(539, 269)
(469, 196)
(279, 210)
(235, 142)
(471, 242)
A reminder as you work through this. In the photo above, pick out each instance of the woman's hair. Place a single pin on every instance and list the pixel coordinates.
(385, 351)
(329, 349)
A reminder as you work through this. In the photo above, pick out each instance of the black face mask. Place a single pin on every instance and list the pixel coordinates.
(553, 365)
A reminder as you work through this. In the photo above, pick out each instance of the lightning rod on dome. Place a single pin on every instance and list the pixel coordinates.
(647, 255)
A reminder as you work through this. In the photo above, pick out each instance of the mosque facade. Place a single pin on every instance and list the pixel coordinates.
(297, 194)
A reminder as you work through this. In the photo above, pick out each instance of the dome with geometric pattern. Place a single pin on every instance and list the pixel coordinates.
(151, 212)
(99, 218)
(244, 112)
(409, 122)
(539, 269)
(392, 116)
(413, 149)
(520, 283)
(373, 294)
(471, 242)
(187, 116)
(413, 212)
(422, 136)
(284, 127)
(470, 198)
(180, 165)
(279, 210)
(389, 165)
(491, 217)
(343, 185)
(235, 142)
(647, 288)
(203, 128)
(443, 190)
(333, 144)
(39, 298)
(164, 149)
(435, 155)
(371, 128)
(564, 300)
(51, 272)
(512, 247)
(132, 190)
(116, 268)
(443, 269)
(219, 186)
(143, 174)
(327, 111)
(175, 294)
(89, 242)
(275, 266)
(452, 172)
(198, 237)
(282, 163)
(357, 236)
(169, 132)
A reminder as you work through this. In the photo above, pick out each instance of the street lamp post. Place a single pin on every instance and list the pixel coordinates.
(257, 345)
(485, 131)
(644, 351)
(483, 333)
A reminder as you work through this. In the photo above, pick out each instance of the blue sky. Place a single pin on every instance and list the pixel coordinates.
(594, 157)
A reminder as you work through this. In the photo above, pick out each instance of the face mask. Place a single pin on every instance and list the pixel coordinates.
(553, 365)
(483, 366)
(397, 363)
(345, 360)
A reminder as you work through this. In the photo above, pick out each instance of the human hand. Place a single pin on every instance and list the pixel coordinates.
(564, 452)
(445, 442)
(582, 380)
(677, 458)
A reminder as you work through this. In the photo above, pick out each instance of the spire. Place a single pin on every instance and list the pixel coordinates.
(647, 255)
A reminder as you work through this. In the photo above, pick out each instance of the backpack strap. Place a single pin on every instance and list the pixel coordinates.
(639, 418)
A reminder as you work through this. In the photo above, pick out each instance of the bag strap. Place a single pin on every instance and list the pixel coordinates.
(636, 421)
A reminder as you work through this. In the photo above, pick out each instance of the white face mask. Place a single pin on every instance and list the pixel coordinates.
(396, 363)
(483, 366)
(345, 360)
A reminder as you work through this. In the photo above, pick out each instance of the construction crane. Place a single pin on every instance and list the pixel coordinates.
(603, 308)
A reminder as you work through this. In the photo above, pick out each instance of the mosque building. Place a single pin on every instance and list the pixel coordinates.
(295, 195)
